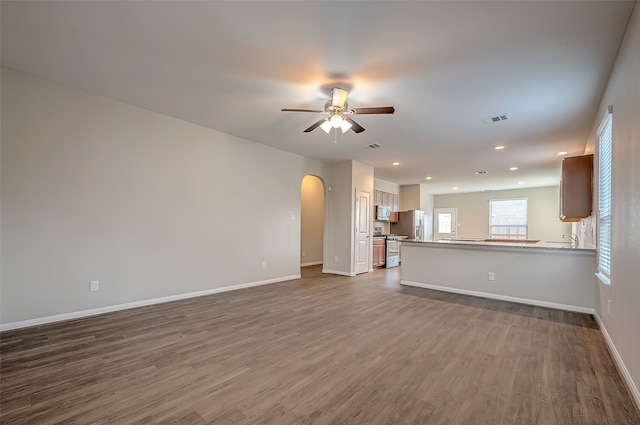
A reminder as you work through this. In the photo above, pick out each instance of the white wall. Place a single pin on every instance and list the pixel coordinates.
(386, 186)
(427, 202)
(345, 178)
(339, 206)
(149, 205)
(409, 197)
(622, 323)
(473, 212)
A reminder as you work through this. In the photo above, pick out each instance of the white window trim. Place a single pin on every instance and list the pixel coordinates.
(603, 277)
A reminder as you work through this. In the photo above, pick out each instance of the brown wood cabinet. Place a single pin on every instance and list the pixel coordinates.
(377, 197)
(386, 199)
(394, 202)
(576, 188)
(378, 252)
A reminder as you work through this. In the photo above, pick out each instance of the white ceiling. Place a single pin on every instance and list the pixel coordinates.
(445, 66)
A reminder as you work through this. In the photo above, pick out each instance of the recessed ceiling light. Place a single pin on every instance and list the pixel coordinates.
(499, 147)
(561, 153)
(513, 168)
(428, 178)
(455, 188)
(520, 182)
(396, 163)
(479, 172)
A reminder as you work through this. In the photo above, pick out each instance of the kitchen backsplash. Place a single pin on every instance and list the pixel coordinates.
(383, 225)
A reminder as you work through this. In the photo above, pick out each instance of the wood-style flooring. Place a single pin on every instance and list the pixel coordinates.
(323, 349)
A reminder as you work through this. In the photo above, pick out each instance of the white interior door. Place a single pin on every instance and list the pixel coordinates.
(363, 236)
(445, 223)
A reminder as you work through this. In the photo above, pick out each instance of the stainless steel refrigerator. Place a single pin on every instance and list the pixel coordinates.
(410, 223)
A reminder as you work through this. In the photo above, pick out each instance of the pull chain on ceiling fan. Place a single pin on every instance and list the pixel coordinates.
(339, 113)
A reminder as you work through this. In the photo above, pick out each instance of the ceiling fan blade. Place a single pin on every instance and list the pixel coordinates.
(318, 111)
(314, 126)
(354, 125)
(374, 110)
(339, 97)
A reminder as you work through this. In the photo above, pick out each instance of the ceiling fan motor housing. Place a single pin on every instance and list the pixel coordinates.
(328, 107)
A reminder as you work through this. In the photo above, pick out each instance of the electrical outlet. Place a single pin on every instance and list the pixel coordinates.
(94, 286)
(336, 258)
(609, 306)
(304, 253)
(264, 265)
(492, 276)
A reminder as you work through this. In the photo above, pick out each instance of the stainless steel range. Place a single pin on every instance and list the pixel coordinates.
(392, 251)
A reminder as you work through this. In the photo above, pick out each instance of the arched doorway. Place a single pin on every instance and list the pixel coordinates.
(311, 221)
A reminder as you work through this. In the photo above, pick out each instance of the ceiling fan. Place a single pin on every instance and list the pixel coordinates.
(339, 114)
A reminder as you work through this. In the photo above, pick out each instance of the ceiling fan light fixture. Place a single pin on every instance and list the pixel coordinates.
(339, 113)
(336, 121)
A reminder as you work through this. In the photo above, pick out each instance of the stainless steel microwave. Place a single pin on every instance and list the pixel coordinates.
(383, 213)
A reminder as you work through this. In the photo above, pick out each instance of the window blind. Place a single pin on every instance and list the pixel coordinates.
(604, 198)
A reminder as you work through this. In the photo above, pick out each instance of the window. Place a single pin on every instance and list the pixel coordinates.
(444, 223)
(604, 197)
(508, 218)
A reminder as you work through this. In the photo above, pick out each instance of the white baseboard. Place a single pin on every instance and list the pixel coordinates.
(101, 310)
(622, 368)
(538, 303)
(341, 273)
(312, 263)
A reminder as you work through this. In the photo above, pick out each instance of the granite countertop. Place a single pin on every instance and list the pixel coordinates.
(479, 242)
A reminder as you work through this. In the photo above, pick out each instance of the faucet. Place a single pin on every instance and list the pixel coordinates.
(573, 237)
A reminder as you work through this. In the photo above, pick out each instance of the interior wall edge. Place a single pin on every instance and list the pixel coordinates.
(617, 359)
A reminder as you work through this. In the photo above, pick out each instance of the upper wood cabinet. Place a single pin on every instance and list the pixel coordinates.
(394, 202)
(576, 187)
(386, 199)
(377, 197)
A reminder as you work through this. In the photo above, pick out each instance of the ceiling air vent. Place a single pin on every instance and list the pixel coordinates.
(497, 118)
(374, 146)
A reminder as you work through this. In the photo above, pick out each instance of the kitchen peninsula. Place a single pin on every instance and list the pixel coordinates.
(545, 274)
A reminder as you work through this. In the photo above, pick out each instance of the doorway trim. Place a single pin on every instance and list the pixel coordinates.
(453, 212)
(324, 222)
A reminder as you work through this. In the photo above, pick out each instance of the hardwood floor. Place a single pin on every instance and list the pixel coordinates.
(323, 349)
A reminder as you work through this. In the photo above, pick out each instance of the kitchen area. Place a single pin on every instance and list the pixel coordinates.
(550, 264)
(406, 213)
(392, 226)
